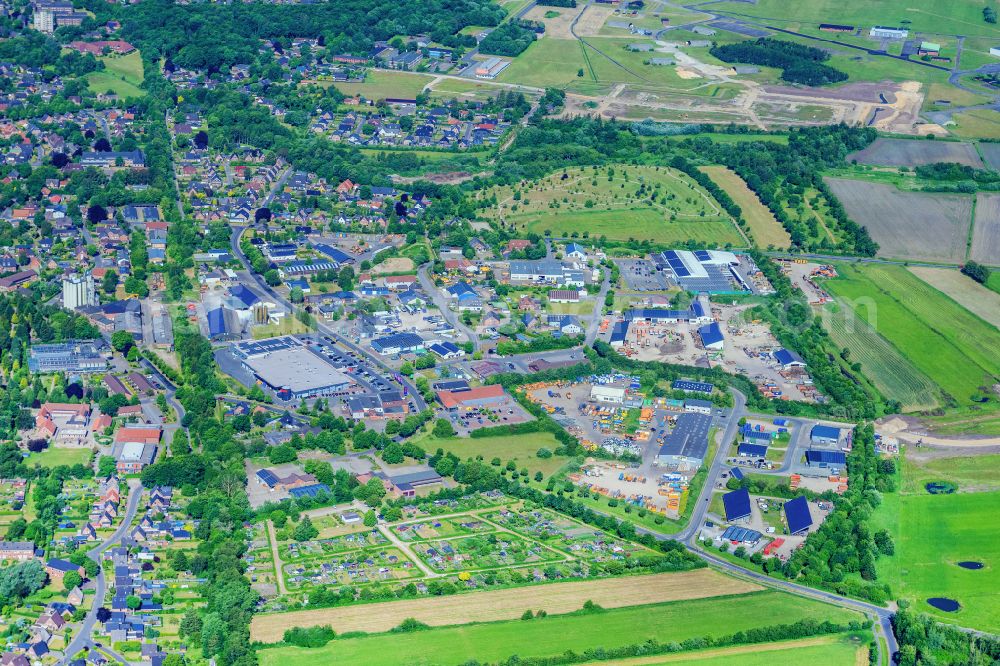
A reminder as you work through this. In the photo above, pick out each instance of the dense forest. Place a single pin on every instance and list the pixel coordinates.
(509, 39)
(215, 36)
(799, 63)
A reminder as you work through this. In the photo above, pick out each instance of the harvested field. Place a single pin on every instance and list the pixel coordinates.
(991, 152)
(914, 152)
(506, 604)
(908, 225)
(986, 234)
(893, 374)
(766, 230)
(593, 19)
(393, 265)
(557, 27)
(968, 293)
(819, 649)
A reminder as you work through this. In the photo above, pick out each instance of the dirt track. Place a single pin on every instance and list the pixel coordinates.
(506, 604)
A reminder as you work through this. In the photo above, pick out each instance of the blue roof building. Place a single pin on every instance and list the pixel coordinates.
(822, 434)
(752, 450)
(788, 358)
(737, 504)
(711, 336)
(797, 515)
(824, 458)
(243, 298)
(309, 491)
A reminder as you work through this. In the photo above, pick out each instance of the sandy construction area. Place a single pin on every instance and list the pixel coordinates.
(558, 27)
(593, 19)
(393, 265)
(506, 604)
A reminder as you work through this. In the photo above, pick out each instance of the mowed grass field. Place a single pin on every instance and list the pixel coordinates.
(842, 650)
(765, 230)
(892, 373)
(522, 449)
(968, 293)
(509, 604)
(932, 534)
(53, 457)
(975, 473)
(621, 202)
(555, 634)
(956, 349)
(122, 74)
(379, 85)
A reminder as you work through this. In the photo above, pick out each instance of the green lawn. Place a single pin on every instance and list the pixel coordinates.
(934, 532)
(519, 448)
(53, 457)
(994, 281)
(828, 650)
(379, 85)
(128, 66)
(969, 473)
(956, 349)
(554, 635)
(547, 63)
(102, 82)
(620, 202)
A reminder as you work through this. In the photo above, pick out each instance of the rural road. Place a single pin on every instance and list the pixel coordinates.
(82, 638)
(406, 550)
(279, 574)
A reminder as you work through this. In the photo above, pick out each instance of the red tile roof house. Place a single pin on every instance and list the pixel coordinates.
(134, 448)
(57, 568)
(475, 397)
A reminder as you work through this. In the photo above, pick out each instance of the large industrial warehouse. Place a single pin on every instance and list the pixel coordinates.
(290, 368)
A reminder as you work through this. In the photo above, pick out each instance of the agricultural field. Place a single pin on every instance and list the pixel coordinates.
(620, 202)
(908, 225)
(954, 348)
(844, 650)
(971, 295)
(986, 232)
(555, 634)
(893, 374)
(765, 230)
(991, 154)
(932, 534)
(508, 604)
(546, 63)
(379, 85)
(915, 152)
(977, 123)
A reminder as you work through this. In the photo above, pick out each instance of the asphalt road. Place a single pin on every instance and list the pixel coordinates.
(442, 304)
(82, 638)
(234, 241)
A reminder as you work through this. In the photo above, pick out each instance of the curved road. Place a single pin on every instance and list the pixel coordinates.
(82, 638)
(234, 242)
(423, 273)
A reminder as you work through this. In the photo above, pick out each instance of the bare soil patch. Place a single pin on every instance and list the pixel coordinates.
(968, 293)
(393, 265)
(592, 20)
(986, 234)
(908, 225)
(506, 604)
(915, 152)
(558, 27)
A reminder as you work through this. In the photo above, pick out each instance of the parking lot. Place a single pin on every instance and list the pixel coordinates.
(641, 275)
(507, 412)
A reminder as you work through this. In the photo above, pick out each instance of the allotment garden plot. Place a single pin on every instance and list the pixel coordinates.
(620, 202)
(908, 225)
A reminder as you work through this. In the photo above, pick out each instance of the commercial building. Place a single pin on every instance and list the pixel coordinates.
(883, 32)
(752, 450)
(687, 443)
(737, 504)
(546, 271)
(619, 333)
(698, 406)
(133, 457)
(797, 515)
(788, 359)
(79, 291)
(481, 396)
(709, 271)
(447, 350)
(823, 434)
(491, 68)
(826, 458)
(289, 368)
(398, 343)
(72, 356)
(691, 387)
(711, 336)
(610, 394)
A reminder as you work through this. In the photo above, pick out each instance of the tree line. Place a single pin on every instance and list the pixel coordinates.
(798, 63)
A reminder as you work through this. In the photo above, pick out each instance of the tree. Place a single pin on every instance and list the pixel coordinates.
(977, 272)
(71, 579)
(21, 580)
(272, 278)
(133, 602)
(106, 466)
(121, 341)
(393, 454)
(200, 140)
(97, 214)
(109, 282)
(371, 518)
(443, 429)
(190, 624)
(345, 278)
(262, 214)
(305, 530)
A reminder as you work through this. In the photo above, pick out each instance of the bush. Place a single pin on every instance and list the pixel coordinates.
(409, 625)
(309, 637)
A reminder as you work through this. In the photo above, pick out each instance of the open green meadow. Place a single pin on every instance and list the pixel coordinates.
(129, 66)
(548, 62)
(970, 473)
(932, 533)
(379, 85)
(954, 348)
(553, 635)
(122, 75)
(522, 449)
(53, 457)
(620, 202)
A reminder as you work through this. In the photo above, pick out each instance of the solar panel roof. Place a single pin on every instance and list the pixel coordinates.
(737, 504)
(309, 491)
(797, 515)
